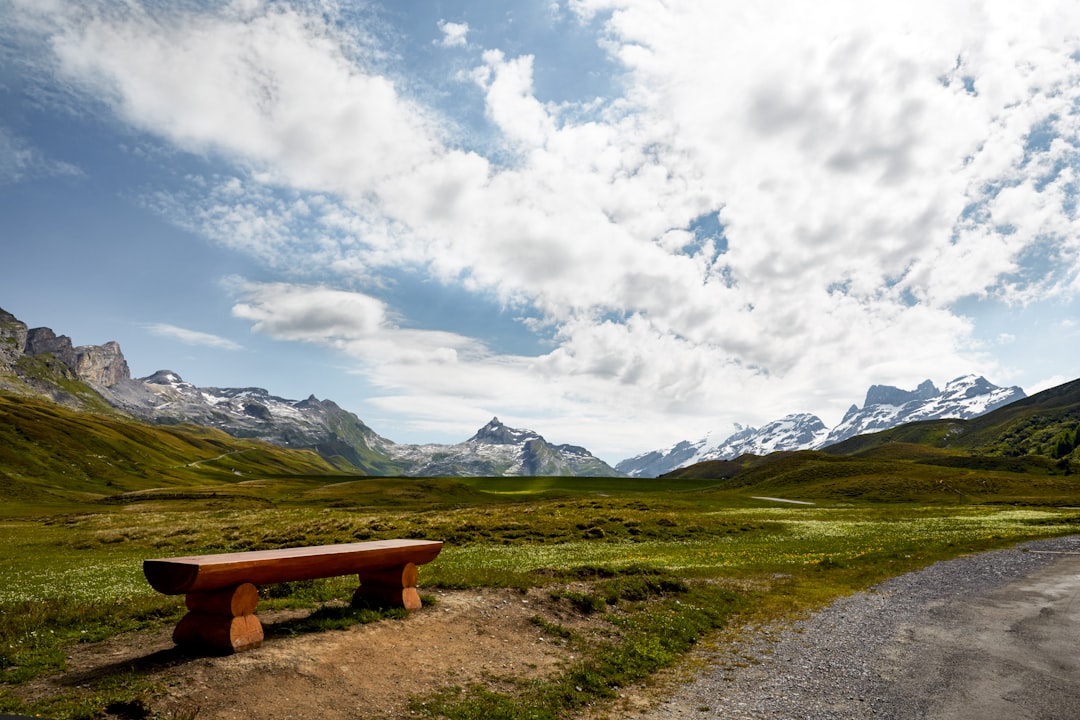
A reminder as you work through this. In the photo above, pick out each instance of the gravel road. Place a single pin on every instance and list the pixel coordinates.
(986, 636)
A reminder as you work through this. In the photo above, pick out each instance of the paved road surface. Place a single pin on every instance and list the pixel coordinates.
(1011, 653)
(993, 636)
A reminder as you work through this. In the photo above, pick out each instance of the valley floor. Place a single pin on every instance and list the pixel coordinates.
(986, 635)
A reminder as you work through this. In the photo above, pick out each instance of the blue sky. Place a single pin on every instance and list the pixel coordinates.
(615, 222)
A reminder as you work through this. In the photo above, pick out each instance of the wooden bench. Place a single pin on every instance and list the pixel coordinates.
(221, 590)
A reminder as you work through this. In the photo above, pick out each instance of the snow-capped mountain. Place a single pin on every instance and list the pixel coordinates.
(793, 432)
(885, 407)
(39, 362)
(496, 449)
(321, 425)
(314, 424)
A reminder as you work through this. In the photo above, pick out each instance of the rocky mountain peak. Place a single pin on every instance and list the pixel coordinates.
(13, 334)
(495, 450)
(43, 341)
(163, 377)
(495, 433)
(889, 395)
(886, 406)
(969, 386)
(102, 365)
(964, 397)
(851, 411)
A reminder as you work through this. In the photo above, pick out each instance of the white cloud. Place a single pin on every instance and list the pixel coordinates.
(1047, 383)
(870, 165)
(510, 101)
(296, 233)
(275, 90)
(454, 34)
(192, 337)
(318, 314)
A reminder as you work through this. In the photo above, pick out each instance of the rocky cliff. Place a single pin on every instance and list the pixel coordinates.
(102, 365)
(13, 333)
(41, 363)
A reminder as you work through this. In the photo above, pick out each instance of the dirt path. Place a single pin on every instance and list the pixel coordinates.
(368, 671)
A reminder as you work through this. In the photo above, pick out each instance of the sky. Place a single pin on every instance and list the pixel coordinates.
(619, 223)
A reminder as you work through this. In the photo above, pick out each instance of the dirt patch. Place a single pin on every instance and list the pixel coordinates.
(370, 671)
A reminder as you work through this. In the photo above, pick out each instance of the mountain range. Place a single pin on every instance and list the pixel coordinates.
(1027, 451)
(40, 363)
(885, 407)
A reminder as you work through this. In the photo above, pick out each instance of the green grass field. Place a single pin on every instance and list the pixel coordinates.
(647, 548)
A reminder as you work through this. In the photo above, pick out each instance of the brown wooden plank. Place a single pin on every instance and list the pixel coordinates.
(173, 576)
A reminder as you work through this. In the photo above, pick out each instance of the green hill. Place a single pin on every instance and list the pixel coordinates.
(50, 455)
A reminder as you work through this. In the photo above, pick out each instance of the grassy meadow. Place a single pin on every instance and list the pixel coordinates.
(665, 562)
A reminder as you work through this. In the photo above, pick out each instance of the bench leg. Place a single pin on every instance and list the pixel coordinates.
(392, 587)
(222, 621)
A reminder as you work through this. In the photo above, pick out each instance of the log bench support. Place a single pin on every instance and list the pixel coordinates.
(221, 591)
(391, 587)
(223, 620)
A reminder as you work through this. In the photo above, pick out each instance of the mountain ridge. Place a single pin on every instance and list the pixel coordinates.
(495, 450)
(97, 378)
(38, 362)
(885, 407)
(1027, 451)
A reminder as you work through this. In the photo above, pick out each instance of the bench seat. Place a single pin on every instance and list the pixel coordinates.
(221, 589)
(173, 576)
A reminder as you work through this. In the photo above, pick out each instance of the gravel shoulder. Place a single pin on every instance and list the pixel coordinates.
(988, 635)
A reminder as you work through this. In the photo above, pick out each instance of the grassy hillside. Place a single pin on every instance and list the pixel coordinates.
(876, 477)
(53, 456)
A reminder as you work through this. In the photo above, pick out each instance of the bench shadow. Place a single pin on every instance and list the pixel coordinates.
(330, 617)
(154, 662)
